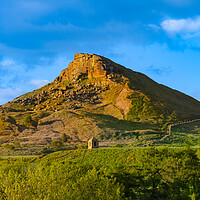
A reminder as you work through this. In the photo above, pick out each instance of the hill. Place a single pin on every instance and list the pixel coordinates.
(95, 97)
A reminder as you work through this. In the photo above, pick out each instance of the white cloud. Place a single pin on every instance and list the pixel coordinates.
(8, 94)
(55, 27)
(7, 63)
(154, 27)
(39, 83)
(181, 26)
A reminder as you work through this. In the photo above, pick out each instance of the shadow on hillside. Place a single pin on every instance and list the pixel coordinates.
(49, 122)
(107, 121)
(190, 128)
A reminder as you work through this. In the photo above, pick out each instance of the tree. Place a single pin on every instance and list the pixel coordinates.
(64, 137)
(28, 120)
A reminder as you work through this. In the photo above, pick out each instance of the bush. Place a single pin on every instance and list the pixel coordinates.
(119, 145)
(47, 150)
(64, 137)
(57, 144)
(28, 121)
(83, 146)
(17, 143)
(8, 146)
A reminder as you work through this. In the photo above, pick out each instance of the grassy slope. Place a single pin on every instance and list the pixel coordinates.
(169, 99)
(184, 134)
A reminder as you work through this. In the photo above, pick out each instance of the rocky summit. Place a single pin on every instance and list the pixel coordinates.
(94, 97)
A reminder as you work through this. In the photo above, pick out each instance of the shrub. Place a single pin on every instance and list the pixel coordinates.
(83, 146)
(8, 146)
(64, 137)
(47, 150)
(57, 144)
(17, 143)
(119, 145)
(28, 121)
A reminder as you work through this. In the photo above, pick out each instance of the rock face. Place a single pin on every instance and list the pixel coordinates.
(90, 65)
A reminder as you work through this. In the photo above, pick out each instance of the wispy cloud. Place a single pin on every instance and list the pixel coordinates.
(9, 94)
(10, 69)
(159, 70)
(33, 6)
(7, 63)
(39, 83)
(17, 78)
(179, 3)
(24, 15)
(181, 26)
(154, 27)
(56, 27)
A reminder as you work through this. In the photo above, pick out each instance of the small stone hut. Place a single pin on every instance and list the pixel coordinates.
(93, 143)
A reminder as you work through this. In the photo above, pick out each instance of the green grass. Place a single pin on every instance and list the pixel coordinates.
(17, 157)
(184, 134)
(112, 122)
(112, 173)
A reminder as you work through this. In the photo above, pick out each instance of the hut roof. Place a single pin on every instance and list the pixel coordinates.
(92, 139)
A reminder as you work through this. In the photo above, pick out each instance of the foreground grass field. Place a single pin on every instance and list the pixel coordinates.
(113, 173)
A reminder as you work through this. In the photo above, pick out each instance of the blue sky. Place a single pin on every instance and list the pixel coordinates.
(38, 38)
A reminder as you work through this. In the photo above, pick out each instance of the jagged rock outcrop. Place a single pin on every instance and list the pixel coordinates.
(90, 65)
